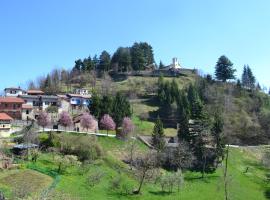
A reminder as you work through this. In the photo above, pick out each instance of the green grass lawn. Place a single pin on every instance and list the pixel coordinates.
(24, 181)
(242, 186)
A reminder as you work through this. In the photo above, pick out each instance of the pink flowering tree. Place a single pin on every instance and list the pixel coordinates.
(107, 123)
(43, 119)
(89, 122)
(127, 127)
(65, 119)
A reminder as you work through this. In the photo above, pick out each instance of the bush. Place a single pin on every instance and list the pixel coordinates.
(121, 185)
(95, 177)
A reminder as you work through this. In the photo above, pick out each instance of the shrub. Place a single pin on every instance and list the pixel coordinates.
(95, 177)
(121, 185)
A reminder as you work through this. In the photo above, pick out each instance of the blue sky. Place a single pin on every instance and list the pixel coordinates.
(37, 36)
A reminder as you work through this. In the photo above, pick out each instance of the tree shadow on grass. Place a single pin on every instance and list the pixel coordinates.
(160, 193)
(205, 179)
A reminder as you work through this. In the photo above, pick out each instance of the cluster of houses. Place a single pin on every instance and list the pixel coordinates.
(18, 104)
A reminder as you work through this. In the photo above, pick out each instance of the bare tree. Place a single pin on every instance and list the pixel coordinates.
(145, 167)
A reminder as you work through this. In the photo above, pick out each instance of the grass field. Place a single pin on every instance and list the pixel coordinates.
(242, 186)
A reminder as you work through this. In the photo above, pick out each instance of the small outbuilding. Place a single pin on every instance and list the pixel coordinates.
(5, 122)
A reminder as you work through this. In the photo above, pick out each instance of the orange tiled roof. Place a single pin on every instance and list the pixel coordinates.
(11, 100)
(35, 92)
(4, 116)
(27, 106)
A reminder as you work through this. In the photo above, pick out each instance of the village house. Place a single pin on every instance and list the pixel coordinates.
(78, 101)
(38, 103)
(35, 92)
(13, 92)
(81, 91)
(27, 112)
(12, 106)
(5, 122)
(172, 70)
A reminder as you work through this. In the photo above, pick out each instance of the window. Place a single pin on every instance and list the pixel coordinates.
(14, 106)
(6, 105)
(27, 112)
(47, 103)
(35, 103)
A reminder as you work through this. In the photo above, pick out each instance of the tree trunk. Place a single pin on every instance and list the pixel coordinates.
(225, 174)
(141, 182)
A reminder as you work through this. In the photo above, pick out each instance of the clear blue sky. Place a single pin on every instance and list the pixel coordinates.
(36, 36)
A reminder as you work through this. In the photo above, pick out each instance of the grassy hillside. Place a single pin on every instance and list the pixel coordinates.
(74, 182)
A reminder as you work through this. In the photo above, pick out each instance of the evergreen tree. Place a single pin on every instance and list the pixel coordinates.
(248, 79)
(174, 90)
(141, 55)
(251, 78)
(183, 126)
(216, 131)
(88, 63)
(161, 65)
(122, 59)
(106, 105)
(104, 61)
(195, 103)
(158, 140)
(95, 62)
(138, 59)
(78, 65)
(224, 69)
(120, 108)
(183, 113)
(94, 107)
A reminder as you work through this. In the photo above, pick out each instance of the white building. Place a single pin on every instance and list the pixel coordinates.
(81, 91)
(175, 64)
(13, 92)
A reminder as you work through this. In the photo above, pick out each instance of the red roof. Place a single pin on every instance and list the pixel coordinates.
(4, 116)
(11, 100)
(35, 92)
(27, 106)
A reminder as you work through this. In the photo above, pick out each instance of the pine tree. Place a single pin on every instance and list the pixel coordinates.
(183, 113)
(161, 65)
(195, 103)
(158, 140)
(120, 108)
(104, 61)
(216, 131)
(224, 69)
(248, 79)
(251, 78)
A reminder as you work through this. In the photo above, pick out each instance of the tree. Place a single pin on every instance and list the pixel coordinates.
(107, 123)
(78, 65)
(248, 79)
(94, 107)
(104, 61)
(106, 105)
(141, 55)
(224, 69)
(120, 108)
(43, 119)
(144, 168)
(66, 161)
(127, 126)
(65, 119)
(158, 140)
(195, 103)
(216, 131)
(161, 65)
(121, 59)
(88, 122)
(131, 150)
(183, 125)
